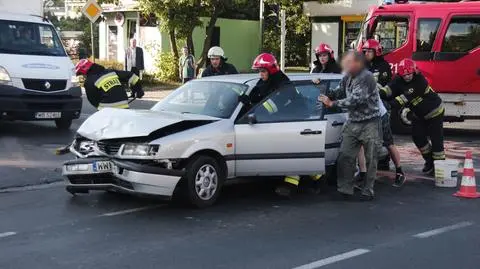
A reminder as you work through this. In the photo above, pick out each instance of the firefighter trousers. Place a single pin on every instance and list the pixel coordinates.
(428, 137)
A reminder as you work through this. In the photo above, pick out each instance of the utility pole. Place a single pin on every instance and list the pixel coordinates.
(262, 10)
(282, 40)
(91, 36)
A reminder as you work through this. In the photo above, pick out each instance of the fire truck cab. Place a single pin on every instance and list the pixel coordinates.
(444, 40)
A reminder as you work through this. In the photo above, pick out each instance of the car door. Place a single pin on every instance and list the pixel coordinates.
(336, 118)
(288, 140)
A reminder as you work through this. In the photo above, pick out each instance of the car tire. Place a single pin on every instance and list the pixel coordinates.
(203, 181)
(63, 124)
(331, 175)
(398, 127)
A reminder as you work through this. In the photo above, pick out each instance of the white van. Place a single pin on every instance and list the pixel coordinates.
(37, 78)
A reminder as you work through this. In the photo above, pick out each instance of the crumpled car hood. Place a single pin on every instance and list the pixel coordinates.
(112, 123)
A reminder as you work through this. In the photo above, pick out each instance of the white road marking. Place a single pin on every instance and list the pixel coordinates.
(334, 259)
(443, 229)
(7, 234)
(127, 211)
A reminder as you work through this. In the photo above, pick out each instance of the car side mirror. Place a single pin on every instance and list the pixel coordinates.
(252, 119)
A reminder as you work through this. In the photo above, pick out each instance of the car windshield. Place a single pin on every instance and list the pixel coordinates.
(211, 98)
(29, 39)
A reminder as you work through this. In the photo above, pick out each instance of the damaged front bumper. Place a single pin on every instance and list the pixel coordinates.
(102, 173)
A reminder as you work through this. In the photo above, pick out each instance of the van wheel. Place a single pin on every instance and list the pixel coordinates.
(331, 175)
(63, 124)
(203, 181)
(398, 127)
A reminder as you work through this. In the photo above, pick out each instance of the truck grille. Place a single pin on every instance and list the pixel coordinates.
(44, 85)
(109, 148)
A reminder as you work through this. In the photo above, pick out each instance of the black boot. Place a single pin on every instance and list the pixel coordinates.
(428, 168)
(286, 190)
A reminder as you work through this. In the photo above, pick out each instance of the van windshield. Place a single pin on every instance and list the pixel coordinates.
(29, 39)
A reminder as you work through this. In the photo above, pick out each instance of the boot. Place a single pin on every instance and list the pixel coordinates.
(428, 168)
(399, 180)
(286, 190)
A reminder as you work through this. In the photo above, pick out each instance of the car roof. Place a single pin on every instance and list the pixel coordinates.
(245, 78)
(22, 17)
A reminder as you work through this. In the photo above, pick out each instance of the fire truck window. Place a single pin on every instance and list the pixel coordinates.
(463, 35)
(392, 32)
(427, 31)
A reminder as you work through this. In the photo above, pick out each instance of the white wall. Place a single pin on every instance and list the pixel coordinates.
(102, 40)
(326, 32)
(151, 41)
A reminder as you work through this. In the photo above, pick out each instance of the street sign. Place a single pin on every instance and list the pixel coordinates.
(92, 10)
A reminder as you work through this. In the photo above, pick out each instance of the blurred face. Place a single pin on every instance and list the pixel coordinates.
(263, 74)
(408, 77)
(323, 58)
(215, 61)
(369, 54)
(185, 51)
(351, 65)
(133, 43)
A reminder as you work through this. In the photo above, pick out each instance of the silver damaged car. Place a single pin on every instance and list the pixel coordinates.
(200, 135)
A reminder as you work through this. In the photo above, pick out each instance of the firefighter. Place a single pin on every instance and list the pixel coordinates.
(423, 109)
(272, 79)
(218, 64)
(325, 62)
(383, 75)
(105, 87)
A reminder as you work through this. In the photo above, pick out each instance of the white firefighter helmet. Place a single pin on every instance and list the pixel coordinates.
(216, 52)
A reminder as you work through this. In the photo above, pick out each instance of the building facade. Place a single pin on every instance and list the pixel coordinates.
(337, 24)
(239, 38)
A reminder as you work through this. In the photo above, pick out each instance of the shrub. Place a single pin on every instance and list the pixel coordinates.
(167, 67)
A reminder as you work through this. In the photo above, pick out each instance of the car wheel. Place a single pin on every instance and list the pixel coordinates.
(203, 181)
(63, 124)
(398, 127)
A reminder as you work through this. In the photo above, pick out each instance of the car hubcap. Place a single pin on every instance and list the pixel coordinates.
(206, 182)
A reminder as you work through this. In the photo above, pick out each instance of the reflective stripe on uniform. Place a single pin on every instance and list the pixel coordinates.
(434, 113)
(295, 180)
(121, 104)
(387, 90)
(438, 155)
(401, 99)
(417, 101)
(316, 177)
(133, 79)
(108, 81)
(428, 89)
(426, 149)
(270, 106)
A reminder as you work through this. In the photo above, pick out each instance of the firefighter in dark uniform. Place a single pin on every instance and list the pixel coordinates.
(218, 64)
(105, 87)
(325, 62)
(272, 79)
(422, 108)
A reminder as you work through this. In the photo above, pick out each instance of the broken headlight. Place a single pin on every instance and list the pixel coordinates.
(139, 150)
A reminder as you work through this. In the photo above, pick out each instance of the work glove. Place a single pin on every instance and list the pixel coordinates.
(244, 99)
(137, 91)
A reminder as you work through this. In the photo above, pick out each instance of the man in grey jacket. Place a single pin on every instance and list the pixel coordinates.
(362, 127)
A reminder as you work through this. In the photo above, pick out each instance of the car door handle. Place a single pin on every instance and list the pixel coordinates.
(337, 123)
(310, 132)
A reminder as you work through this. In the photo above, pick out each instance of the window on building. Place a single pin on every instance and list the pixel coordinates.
(426, 34)
(391, 32)
(463, 35)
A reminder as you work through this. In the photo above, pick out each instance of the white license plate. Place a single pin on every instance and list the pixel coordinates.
(48, 115)
(102, 166)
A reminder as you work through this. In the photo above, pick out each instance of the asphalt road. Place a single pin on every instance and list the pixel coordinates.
(42, 226)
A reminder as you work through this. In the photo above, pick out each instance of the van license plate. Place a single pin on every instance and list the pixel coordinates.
(102, 166)
(48, 115)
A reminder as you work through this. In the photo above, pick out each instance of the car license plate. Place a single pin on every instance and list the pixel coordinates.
(48, 115)
(102, 166)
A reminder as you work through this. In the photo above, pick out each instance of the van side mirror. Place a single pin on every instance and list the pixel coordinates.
(252, 119)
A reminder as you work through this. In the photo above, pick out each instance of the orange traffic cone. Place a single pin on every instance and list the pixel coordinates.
(468, 188)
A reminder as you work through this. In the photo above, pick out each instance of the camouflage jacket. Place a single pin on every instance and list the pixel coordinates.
(361, 97)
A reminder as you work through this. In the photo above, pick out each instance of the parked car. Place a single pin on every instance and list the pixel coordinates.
(201, 135)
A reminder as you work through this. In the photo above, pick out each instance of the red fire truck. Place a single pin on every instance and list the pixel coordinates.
(444, 40)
